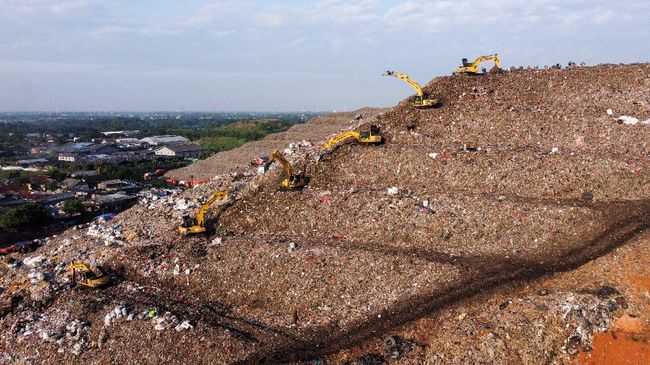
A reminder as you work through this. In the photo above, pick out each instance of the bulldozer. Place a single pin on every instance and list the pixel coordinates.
(293, 181)
(366, 136)
(196, 225)
(420, 102)
(472, 68)
(85, 275)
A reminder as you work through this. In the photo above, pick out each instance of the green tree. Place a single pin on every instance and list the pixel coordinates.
(73, 206)
(29, 214)
(56, 174)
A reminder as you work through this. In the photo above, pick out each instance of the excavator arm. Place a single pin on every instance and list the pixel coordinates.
(200, 215)
(292, 181)
(421, 101)
(340, 138)
(410, 82)
(286, 166)
(197, 225)
(367, 135)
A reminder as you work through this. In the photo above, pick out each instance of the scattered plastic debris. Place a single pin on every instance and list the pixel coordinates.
(34, 261)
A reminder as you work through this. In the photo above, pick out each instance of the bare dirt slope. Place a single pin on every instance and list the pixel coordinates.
(508, 227)
(316, 129)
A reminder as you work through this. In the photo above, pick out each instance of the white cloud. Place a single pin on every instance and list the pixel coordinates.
(36, 7)
(271, 20)
(219, 11)
(287, 42)
(450, 15)
(343, 12)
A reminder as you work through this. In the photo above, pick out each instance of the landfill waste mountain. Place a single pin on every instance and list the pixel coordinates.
(509, 226)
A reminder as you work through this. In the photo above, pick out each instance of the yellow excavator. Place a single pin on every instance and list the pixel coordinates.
(367, 135)
(420, 102)
(472, 68)
(292, 181)
(196, 225)
(83, 274)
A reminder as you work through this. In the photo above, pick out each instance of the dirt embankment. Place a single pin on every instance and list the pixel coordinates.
(509, 226)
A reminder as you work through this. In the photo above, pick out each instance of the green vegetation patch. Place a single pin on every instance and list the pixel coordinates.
(27, 215)
(236, 134)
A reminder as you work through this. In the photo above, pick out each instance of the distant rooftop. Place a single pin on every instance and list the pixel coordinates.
(166, 139)
(184, 147)
(121, 133)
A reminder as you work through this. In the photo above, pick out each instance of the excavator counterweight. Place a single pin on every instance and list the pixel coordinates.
(472, 68)
(292, 181)
(420, 102)
(196, 225)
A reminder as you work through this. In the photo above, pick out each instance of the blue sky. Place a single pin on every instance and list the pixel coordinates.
(224, 55)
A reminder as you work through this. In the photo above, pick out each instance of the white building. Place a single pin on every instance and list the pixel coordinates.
(179, 150)
(164, 140)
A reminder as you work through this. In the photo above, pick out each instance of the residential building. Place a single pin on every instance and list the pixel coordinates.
(69, 157)
(9, 201)
(76, 152)
(51, 199)
(114, 202)
(121, 133)
(75, 185)
(116, 185)
(179, 150)
(84, 174)
(32, 162)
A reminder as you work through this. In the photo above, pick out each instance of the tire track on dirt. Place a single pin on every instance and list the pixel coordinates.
(628, 220)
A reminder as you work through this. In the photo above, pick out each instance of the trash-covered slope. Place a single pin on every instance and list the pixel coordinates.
(239, 158)
(518, 175)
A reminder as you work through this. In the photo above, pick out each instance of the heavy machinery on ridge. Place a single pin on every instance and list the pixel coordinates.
(85, 275)
(367, 135)
(292, 181)
(420, 102)
(472, 68)
(196, 225)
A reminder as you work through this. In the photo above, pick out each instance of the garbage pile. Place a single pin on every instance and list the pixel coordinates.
(162, 322)
(519, 173)
(109, 234)
(150, 196)
(525, 328)
(55, 327)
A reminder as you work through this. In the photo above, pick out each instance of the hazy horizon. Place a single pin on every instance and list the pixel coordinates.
(278, 56)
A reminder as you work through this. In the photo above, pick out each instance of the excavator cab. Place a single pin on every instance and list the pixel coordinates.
(84, 275)
(473, 68)
(295, 182)
(187, 225)
(370, 134)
